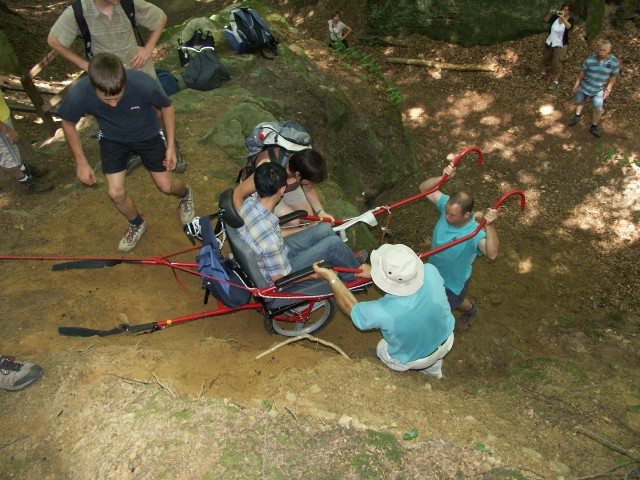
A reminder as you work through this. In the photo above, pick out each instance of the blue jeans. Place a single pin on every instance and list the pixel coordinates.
(320, 243)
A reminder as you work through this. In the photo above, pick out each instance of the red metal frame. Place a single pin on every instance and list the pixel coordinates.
(270, 292)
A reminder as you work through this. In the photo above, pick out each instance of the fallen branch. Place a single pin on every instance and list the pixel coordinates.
(164, 386)
(607, 443)
(300, 337)
(444, 66)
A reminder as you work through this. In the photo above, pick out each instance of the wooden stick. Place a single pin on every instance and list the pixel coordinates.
(444, 66)
(607, 443)
(300, 337)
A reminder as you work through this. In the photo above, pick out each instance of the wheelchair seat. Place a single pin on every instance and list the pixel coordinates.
(244, 256)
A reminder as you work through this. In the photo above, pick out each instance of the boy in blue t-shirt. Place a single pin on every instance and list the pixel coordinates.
(455, 263)
(125, 102)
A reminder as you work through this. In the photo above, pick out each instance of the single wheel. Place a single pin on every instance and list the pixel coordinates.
(308, 318)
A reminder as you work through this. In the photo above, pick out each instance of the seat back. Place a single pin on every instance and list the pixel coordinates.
(247, 260)
(242, 253)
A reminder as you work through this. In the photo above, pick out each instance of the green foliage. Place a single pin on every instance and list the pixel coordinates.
(481, 447)
(612, 154)
(268, 405)
(369, 70)
(595, 17)
(413, 433)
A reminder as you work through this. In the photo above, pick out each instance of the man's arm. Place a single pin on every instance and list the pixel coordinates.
(490, 245)
(344, 298)
(142, 55)
(169, 119)
(576, 86)
(432, 182)
(612, 82)
(67, 53)
(83, 170)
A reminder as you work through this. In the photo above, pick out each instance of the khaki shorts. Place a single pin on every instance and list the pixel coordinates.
(554, 56)
(9, 154)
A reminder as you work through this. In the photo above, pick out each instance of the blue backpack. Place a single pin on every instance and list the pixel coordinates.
(231, 289)
(248, 32)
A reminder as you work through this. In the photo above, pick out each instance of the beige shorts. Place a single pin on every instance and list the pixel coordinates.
(9, 154)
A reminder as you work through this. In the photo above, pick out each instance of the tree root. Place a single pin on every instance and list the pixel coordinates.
(300, 337)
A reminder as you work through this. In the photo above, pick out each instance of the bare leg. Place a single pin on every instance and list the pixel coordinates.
(119, 196)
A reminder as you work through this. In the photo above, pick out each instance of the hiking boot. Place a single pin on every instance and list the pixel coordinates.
(553, 85)
(467, 318)
(134, 162)
(17, 375)
(181, 163)
(33, 186)
(575, 120)
(33, 171)
(595, 131)
(186, 207)
(130, 239)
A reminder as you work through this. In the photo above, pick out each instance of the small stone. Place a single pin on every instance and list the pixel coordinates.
(314, 389)
(291, 397)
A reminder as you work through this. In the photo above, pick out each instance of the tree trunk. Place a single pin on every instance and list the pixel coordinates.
(444, 66)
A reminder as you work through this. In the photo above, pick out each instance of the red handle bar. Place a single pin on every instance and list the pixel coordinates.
(480, 226)
(415, 197)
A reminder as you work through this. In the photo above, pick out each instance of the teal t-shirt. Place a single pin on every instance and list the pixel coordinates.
(413, 326)
(454, 264)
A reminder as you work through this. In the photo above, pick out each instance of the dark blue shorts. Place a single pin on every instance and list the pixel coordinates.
(456, 300)
(115, 154)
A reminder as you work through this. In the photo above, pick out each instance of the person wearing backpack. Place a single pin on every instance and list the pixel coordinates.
(112, 27)
(125, 103)
(111, 31)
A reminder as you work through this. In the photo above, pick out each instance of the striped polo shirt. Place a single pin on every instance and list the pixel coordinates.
(597, 74)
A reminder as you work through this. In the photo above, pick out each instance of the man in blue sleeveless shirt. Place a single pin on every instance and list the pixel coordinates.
(596, 80)
(455, 263)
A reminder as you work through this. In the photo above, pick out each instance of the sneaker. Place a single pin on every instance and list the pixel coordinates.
(17, 375)
(186, 208)
(34, 172)
(595, 131)
(434, 370)
(553, 85)
(33, 186)
(134, 162)
(132, 236)
(541, 75)
(467, 318)
(575, 120)
(181, 163)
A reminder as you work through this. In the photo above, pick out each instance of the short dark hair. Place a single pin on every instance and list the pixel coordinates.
(464, 200)
(107, 74)
(568, 5)
(269, 177)
(310, 165)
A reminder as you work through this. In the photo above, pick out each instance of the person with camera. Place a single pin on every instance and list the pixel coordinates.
(556, 44)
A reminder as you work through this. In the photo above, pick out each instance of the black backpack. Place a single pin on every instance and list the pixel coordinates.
(205, 71)
(248, 32)
(129, 10)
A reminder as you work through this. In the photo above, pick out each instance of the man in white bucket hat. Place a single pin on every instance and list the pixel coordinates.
(414, 316)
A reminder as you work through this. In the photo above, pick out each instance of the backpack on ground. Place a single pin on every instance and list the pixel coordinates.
(203, 71)
(169, 82)
(288, 136)
(228, 288)
(129, 10)
(197, 35)
(248, 32)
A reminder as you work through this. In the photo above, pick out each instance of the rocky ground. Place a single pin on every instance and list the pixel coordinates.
(543, 386)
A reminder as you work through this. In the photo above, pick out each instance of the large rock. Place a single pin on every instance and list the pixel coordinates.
(470, 22)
